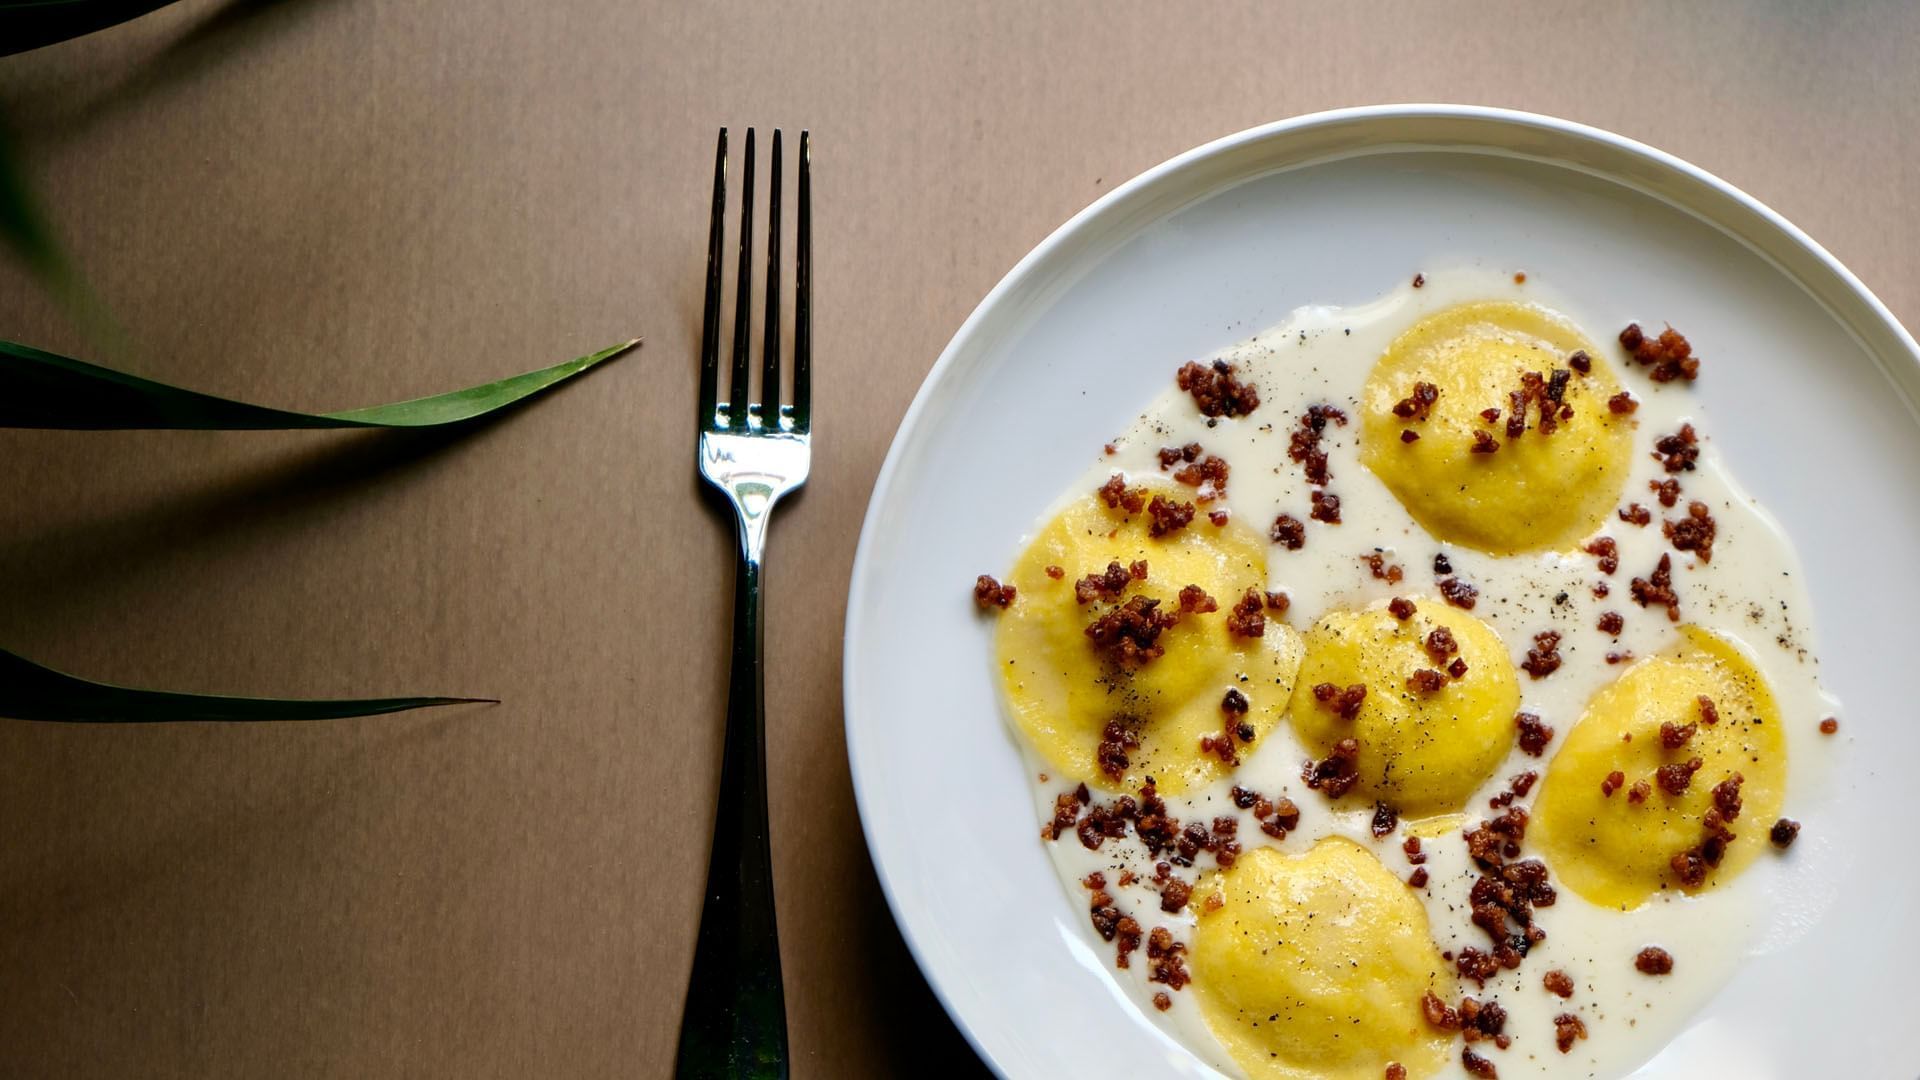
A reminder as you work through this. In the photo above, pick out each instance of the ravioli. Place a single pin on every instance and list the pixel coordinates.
(1314, 965)
(1616, 846)
(1421, 751)
(1066, 693)
(1540, 475)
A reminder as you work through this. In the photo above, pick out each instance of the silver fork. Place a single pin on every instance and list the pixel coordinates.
(735, 1021)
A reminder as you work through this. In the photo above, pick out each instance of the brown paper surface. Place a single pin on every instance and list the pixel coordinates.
(329, 203)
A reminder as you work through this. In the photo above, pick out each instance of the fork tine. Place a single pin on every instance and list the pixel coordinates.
(803, 294)
(743, 298)
(710, 323)
(770, 346)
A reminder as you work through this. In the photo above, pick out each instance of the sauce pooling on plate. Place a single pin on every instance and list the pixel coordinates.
(1411, 691)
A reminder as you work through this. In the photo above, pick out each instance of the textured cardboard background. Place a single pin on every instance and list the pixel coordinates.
(327, 203)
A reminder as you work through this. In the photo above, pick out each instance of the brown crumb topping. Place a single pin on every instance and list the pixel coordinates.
(1483, 443)
(1417, 405)
(1118, 737)
(1216, 390)
(1829, 726)
(1611, 623)
(1606, 551)
(1118, 496)
(1783, 833)
(1174, 455)
(1325, 507)
(1612, 782)
(1408, 435)
(1580, 361)
(1209, 475)
(1417, 879)
(989, 594)
(1426, 681)
(1401, 608)
(1674, 736)
(1458, 593)
(1289, 532)
(1335, 774)
(1303, 446)
(1440, 644)
(1667, 491)
(1669, 355)
(1109, 583)
(1385, 820)
(1195, 601)
(1676, 776)
(1343, 703)
(1167, 516)
(1653, 960)
(1395, 1070)
(1534, 735)
(1657, 588)
(1709, 713)
(1639, 791)
(1165, 963)
(1558, 983)
(1544, 658)
(1381, 569)
(1622, 404)
(1635, 514)
(1566, 1028)
(1694, 532)
(1678, 452)
(1476, 1065)
(1246, 618)
(1129, 633)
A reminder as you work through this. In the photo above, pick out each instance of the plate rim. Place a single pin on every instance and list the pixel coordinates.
(1842, 284)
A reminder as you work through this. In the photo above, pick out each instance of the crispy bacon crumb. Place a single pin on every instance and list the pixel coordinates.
(1475, 1064)
(1325, 507)
(1442, 564)
(1678, 452)
(1209, 475)
(1606, 551)
(1829, 726)
(1162, 1002)
(1417, 405)
(1635, 514)
(1639, 791)
(1215, 390)
(1408, 435)
(1611, 623)
(1709, 714)
(1566, 1028)
(1657, 588)
(1458, 593)
(1109, 583)
(1289, 532)
(1653, 960)
(1483, 443)
(1194, 600)
(1174, 455)
(1167, 516)
(1343, 703)
(1056, 573)
(1612, 782)
(1418, 879)
(1426, 681)
(1395, 1070)
(1676, 776)
(1278, 602)
(1558, 983)
(1401, 608)
(1783, 833)
(1129, 633)
(1580, 361)
(1440, 644)
(1164, 962)
(1418, 281)
(1117, 495)
(1385, 820)
(1667, 491)
(1622, 404)
(1219, 518)
(1670, 355)
(1694, 532)
(1544, 658)
(1411, 847)
(1118, 737)
(1381, 569)
(988, 593)
(1534, 735)
(1246, 619)
(1335, 774)
(1674, 736)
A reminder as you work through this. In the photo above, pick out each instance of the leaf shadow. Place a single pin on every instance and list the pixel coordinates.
(58, 114)
(77, 561)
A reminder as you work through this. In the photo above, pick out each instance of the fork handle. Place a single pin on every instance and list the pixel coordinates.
(735, 1024)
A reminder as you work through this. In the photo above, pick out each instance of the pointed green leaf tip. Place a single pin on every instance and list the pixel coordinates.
(39, 389)
(31, 692)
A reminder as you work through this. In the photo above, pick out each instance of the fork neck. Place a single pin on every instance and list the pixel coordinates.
(753, 507)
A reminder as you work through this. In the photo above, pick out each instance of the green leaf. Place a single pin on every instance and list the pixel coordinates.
(30, 24)
(40, 389)
(31, 692)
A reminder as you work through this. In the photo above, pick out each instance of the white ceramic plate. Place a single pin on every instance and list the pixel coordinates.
(1811, 385)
